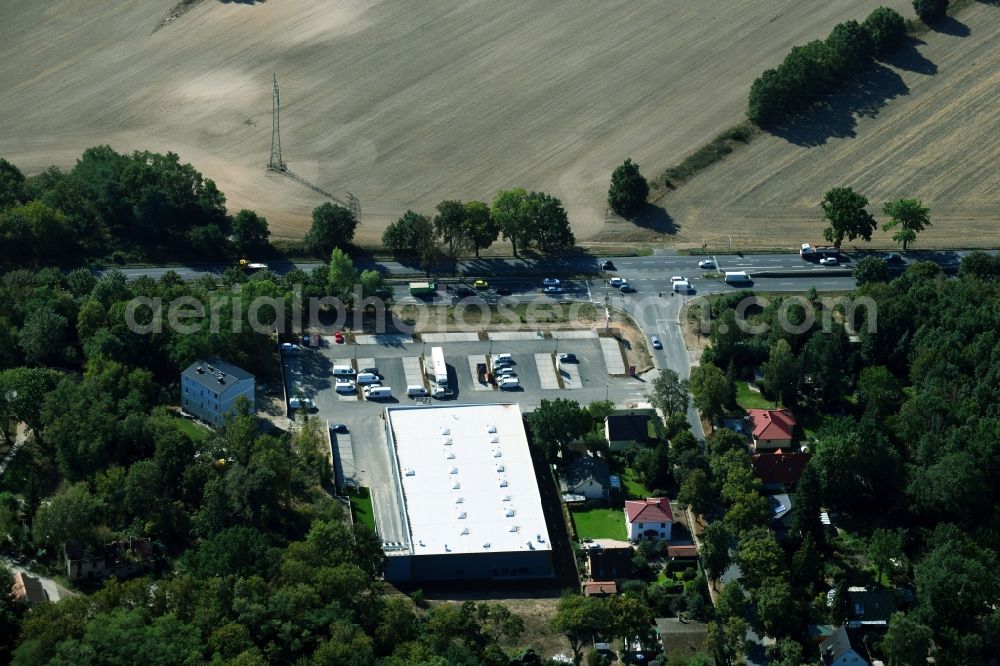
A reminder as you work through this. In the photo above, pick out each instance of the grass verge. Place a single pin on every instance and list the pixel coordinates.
(361, 507)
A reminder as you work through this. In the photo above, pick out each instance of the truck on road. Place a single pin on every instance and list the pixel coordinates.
(423, 288)
(817, 252)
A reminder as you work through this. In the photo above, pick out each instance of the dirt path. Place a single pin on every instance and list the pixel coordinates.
(403, 104)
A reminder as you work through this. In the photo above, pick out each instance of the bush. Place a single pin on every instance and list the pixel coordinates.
(886, 28)
(930, 11)
(689, 574)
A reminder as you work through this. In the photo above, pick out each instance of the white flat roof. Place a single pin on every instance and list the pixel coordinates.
(468, 481)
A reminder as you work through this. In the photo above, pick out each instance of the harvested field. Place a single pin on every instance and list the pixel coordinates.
(403, 104)
(925, 125)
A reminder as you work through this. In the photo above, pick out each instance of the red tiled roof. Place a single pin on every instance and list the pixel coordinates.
(651, 509)
(682, 551)
(779, 468)
(600, 587)
(771, 423)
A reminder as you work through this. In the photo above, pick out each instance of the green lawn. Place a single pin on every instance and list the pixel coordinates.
(748, 399)
(600, 523)
(189, 428)
(361, 508)
(632, 486)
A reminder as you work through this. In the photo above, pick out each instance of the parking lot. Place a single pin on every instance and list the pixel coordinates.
(308, 373)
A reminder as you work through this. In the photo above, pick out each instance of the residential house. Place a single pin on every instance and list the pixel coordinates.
(781, 511)
(650, 518)
(28, 589)
(843, 649)
(600, 588)
(681, 639)
(121, 559)
(210, 387)
(771, 428)
(626, 426)
(612, 561)
(587, 476)
(779, 470)
(870, 608)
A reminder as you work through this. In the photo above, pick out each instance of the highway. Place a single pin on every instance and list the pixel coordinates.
(653, 305)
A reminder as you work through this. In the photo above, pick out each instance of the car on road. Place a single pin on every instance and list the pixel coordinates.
(289, 348)
(893, 258)
(552, 290)
(339, 427)
(344, 385)
(301, 403)
(503, 291)
(568, 357)
(463, 291)
(706, 263)
(829, 261)
(656, 342)
(678, 278)
(550, 282)
(616, 282)
(626, 288)
(481, 284)
(608, 265)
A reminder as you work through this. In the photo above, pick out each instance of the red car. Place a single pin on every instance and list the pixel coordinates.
(338, 337)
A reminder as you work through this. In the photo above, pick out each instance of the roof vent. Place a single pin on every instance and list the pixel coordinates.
(421, 542)
(510, 513)
(491, 428)
(450, 456)
(409, 472)
(453, 470)
(447, 441)
(499, 468)
(200, 370)
(531, 546)
(447, 549)
(505, 498)
(456, 485)
(459, 500)
(210, 368)
(465, 530)
(540, 539)
(496, 453)
(503, 482)
(445, 431)
(486, 545)
(222, 379)
(513, 528)
(494, 439)
(461, 515)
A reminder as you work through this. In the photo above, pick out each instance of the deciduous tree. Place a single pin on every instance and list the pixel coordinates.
(480, 227)
(886, 28)
(909, 217)
(782, 373)
(869, 270)
(332, 226)
(556, 423)
(628, 191)
(670, 393)
(715, 543)
(931, 11)
(548, 223)
(711, 390)
(845, 210)
(580, 619)
(250, 232)
(510, 213)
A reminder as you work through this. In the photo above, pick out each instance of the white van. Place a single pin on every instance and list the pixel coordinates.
(737, 277)
(508, 383)
(682, 286)
(368, 378)
(378, 392)
(343, 370)
(503, 358)
(416, 391)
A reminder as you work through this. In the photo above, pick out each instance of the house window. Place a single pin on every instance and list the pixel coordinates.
(663, 524)
(640, 526)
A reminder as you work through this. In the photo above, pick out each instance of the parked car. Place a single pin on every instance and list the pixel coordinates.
(368, 378)
(656, 342)
(550, 282)
(301, 403)
(344, 385)
(893, 258)
(289, 348)
(829, 261)
(442, 393)
(506, 371)
(552, 290)
(338, 337)
(706, 263)
(616, 282)
(339, 427)
(369, 371)
(503, 291)
(481, 284)
(608, 265)
(568, 357)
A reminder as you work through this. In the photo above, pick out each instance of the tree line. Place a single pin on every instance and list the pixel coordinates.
(848, 217)
(818, 68)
